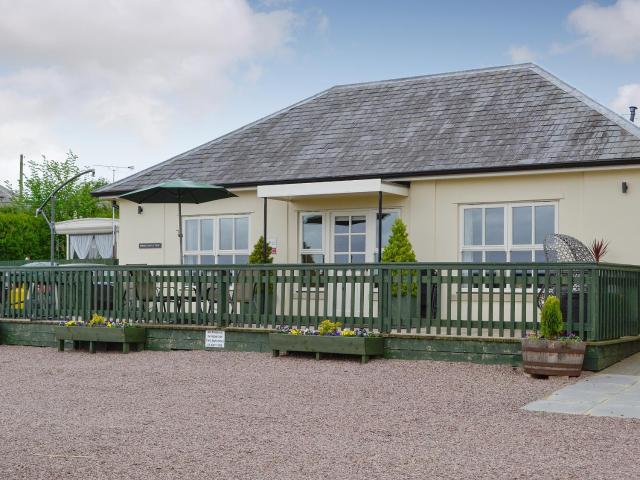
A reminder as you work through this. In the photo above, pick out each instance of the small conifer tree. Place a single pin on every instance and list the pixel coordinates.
(399, 250)
(257, 255)
(551, 325)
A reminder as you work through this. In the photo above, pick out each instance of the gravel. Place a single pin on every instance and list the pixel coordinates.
(246, 415)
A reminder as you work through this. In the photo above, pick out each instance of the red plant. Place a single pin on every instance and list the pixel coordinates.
(599, 249)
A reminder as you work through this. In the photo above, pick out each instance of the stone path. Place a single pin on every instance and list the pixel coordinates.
(614, 392)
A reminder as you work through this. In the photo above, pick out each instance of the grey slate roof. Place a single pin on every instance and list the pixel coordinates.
(503, 118)
(5, 195)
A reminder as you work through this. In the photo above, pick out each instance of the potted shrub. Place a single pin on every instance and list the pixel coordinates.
(99, 329)
(328, 338)
(266, 299)
(551, 352)
(402, 295)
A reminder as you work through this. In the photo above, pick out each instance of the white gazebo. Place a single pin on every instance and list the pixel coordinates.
(89, 238)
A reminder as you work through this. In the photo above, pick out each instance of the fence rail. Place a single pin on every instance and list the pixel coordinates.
(462, 299)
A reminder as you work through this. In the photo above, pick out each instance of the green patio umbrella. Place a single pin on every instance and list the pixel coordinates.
(178, 191)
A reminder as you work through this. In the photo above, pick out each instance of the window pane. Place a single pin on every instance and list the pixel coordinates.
(358, 224)
(358, 243)
(387, 222)
(242, 233)
(473, 226)
(206, 234)
(341, 258)
(342, 225)
(317, 258)
(225, 259)
(190, 259)
(475, 257)
(226, 234)
(540, 256)
(312, 232)
(242, 259)
(341, 243)
(522, 226)
(494, 226)
(359, 258)
(191, 235)
(207, 259)
(545, 222)
(496, 257)
(520, 256)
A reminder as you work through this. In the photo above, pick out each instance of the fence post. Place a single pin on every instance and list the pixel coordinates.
(594, 305)
(383, 305)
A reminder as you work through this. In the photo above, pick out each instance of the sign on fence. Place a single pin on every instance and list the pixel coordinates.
(214, 339)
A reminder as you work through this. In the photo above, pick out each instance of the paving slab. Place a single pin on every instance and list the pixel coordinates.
(614, 392)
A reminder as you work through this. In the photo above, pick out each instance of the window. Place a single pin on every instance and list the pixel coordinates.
(221, 240)
(506, 232)
(350, 238)
(343, 237)
(312, 238)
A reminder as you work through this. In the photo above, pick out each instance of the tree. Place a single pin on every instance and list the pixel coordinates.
(257, 255)
(73, 201)
(399, 250)
(22, 235)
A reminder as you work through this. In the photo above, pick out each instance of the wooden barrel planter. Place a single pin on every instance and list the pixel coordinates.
(365, 347)
(547, 357)
(127, 336)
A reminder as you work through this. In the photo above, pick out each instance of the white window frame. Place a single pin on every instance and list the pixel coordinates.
(328, 223)
(312, 251)
(508, 245)
(217, 251)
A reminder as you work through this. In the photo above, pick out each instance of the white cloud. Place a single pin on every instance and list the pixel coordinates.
(134, 65)
(627, 95)
(610, 30)
(522, 54)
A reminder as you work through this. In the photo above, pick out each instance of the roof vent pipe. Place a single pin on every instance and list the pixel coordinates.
(632, 114)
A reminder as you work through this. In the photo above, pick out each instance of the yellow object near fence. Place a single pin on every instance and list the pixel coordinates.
(17, 297)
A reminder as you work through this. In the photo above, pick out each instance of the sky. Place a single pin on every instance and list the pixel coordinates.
(132, 83)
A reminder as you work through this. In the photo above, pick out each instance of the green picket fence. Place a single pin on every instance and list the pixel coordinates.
(461, 299)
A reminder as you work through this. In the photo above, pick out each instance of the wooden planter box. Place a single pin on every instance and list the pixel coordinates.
(365, 347)
(547, 357)
(126, 336)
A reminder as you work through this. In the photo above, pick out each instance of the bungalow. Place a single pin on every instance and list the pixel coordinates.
(480, 164)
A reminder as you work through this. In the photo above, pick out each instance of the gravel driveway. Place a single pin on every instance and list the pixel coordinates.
(246, 415)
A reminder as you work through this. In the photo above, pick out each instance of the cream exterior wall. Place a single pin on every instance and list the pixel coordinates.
(159, 223)
(590, 205)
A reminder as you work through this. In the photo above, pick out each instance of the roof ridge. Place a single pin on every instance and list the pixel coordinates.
(471, 71)
(619, 120)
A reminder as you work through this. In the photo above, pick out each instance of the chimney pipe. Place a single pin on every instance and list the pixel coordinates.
(632, 114)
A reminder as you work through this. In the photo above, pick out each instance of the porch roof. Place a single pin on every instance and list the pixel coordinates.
(345, 187)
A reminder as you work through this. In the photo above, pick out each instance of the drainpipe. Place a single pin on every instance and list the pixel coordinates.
(264, 228)
(379, 226)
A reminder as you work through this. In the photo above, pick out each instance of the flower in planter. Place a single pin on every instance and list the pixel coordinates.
(327, 327)
(97, 321)
(347, 333)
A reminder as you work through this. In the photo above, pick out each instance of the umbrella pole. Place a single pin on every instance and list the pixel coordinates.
(180, 229)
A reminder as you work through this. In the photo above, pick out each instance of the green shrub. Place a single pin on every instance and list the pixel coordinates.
(257, 255)
(399, 250)
(551, 325)
(23, 235)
